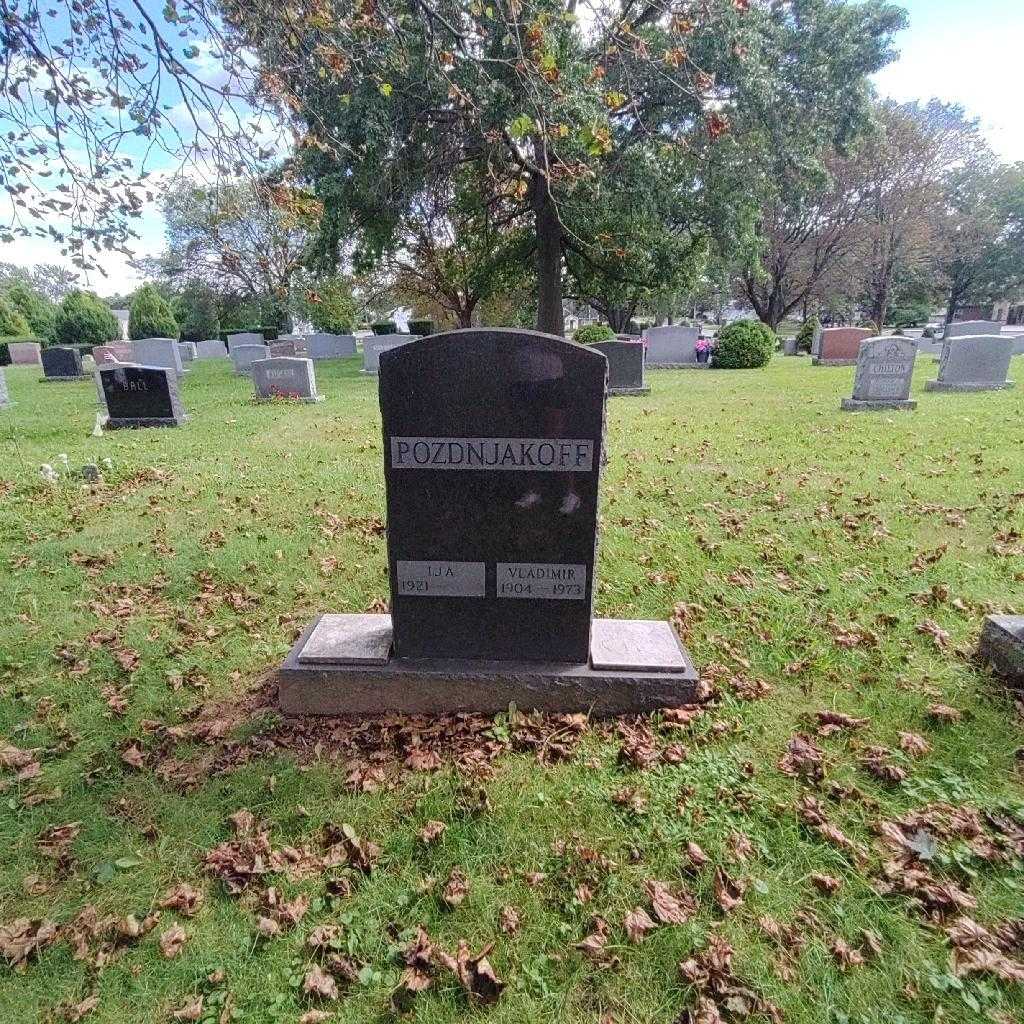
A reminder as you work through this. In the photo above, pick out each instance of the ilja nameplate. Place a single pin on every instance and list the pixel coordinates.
(542, 581)
(441, 579)
(527, 454)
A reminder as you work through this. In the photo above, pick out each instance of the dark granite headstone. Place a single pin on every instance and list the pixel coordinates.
(492, 454)
(625, 366)
(62, 363)
(885, 368)
(141, 396)
(284, 377)
(5, 397)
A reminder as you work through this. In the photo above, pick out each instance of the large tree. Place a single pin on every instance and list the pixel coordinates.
(546, 103)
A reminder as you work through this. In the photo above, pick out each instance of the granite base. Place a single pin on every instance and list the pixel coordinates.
(287, 398)
(133, 424)
(833, 362)
(64, 380)
(1002, 646)
(619, 392)
(678, 366)
(881, 405)
(938, 385)
(343, 665)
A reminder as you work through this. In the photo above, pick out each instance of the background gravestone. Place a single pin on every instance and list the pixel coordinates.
(625, 366)
(5, 397)
(245, 338)
(141, 396)
(885, 369)
(283, 348)
(211, 348)
(61, 363)
(158, 352)
(789, 347)
(187, 350)
(1018, 344)
(284, 377)
(974, 364)
(373, 347)
(672, 346)
(840, 346)
(330, 346)
(972, 329)
(243, 356)
(492, 454)
(24, 353)
(113, 352)
(816, 340)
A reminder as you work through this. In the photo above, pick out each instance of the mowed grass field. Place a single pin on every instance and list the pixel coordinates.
(837, 836)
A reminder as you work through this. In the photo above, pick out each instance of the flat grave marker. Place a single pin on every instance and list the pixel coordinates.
(285, 377)
(974, 363)
(141, 396)
(885, 369)
(493, 446)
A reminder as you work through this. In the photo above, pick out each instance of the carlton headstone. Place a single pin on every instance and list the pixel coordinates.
(885, 368)
(245, 338)
(673, 346)
(373, 347)
(972, 329)
(211, 348)
(493, 445)
(5, 396)
(625, 366)
(141, 396)
(243, 356)
(158, 352)
(24, 353)
(285, 377)
(974, 364)
(330, 346)
(61, 363)
(840, 346)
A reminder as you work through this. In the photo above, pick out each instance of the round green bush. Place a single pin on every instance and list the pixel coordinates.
(12, 321)
(83, 320)
(421, 327)
(384, 327)
(744, 345)
(591, 334)
(805, 336)
(150, 316)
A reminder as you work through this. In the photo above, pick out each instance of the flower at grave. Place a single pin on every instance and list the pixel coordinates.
(704, 345)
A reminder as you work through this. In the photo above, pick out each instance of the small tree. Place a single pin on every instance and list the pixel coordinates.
(197, 312)
(35, 308)
(12, 322)
(744, 345)
(83, 320)
(150, 316)
(331, 307)
(805, 336)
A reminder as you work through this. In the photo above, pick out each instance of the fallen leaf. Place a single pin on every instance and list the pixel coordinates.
(183, 898)
(508, 920)
(432, 830)
(456, 888)
(826, 883)
(728, 891)
(669, 909)
(172, 940)
(913, 744)
(637, 924)
(319, 983)
(944, 713)
(191, 1010)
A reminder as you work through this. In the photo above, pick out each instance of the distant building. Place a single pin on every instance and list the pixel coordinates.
(122, 319)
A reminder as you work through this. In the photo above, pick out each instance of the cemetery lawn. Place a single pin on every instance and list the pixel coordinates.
(816, 562)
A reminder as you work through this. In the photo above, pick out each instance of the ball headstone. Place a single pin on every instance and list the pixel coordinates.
(141, 396)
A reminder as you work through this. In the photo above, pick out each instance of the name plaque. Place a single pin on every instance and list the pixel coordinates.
(542, 581)
(529, 454)
(441, 579)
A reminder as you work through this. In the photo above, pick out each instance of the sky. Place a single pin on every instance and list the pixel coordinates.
(959, 51)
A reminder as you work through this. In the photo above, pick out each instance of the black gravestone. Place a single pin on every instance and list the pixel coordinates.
(62, 363)
(625, 366)
(141, 396)
(492, 454)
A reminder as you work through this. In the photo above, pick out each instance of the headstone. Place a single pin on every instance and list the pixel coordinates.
(625, 366)
(114, 352)
(972, 329)
(816, 340)
(245, 338)
(187, 351)
(141, 396)
(282, 349)
(673, 346)
(885, 368)
(61, 363)
(974, 364)
(493, 446)
(157, 352)
(24, 353)
(5, 395)
(331, 346)
(1018, 344)
(1002, 647)
(840, 346)
(211, 348)
(243, 356)
(285, 377)
(930, 346)
(374, 346)
(789, 347)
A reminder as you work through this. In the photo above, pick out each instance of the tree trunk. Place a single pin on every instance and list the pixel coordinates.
(550, 316)
(951, 306)
(619, 317)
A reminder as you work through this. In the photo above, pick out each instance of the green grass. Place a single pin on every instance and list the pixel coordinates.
(747, 494)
